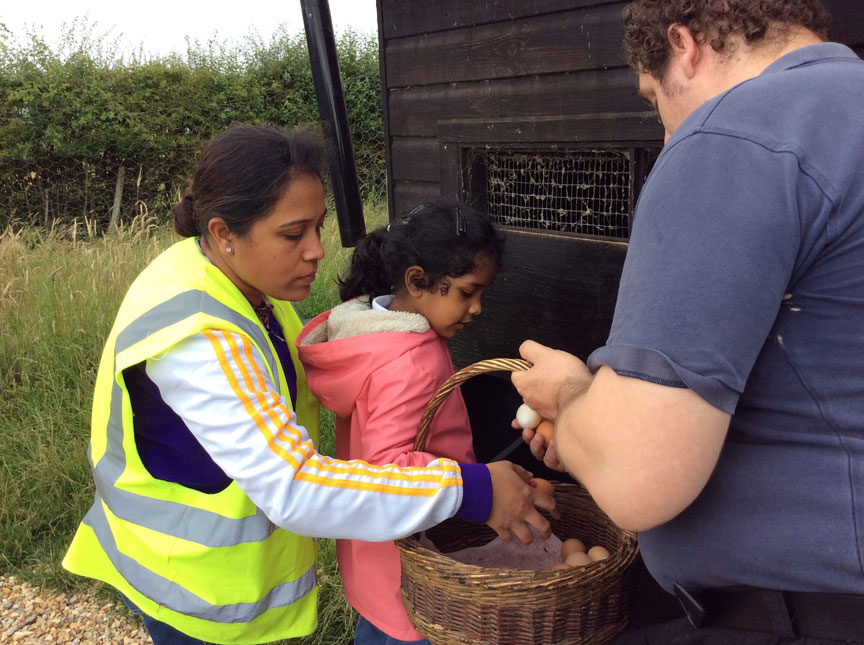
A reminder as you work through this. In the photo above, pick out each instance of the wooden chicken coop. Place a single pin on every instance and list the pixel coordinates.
(527, 109)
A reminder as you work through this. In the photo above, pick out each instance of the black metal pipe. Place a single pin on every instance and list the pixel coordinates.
(331, 106)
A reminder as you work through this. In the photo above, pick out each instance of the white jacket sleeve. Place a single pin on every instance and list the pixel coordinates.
(217, 383)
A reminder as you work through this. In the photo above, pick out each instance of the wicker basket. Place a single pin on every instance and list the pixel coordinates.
(454, 603)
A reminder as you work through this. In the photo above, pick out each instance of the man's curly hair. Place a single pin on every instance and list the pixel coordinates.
(712, 21)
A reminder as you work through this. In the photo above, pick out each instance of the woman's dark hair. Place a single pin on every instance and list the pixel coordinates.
(241, 175)
(442, 236)
(712, 21)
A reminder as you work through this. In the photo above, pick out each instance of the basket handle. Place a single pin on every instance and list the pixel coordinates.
(480, 367)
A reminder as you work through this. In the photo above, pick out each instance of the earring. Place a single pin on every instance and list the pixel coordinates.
(227, 249)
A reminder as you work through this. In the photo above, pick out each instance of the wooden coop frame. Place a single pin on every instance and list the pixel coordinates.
(522, 77)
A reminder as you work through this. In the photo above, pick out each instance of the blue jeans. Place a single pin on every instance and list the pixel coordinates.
(163, 633)
(367, 634)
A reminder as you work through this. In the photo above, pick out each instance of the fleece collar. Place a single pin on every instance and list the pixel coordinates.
(357, 318)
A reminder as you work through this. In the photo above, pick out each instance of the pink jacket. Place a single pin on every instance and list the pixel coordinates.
(376, 371)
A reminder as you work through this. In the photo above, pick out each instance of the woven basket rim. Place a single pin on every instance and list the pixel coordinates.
(628, 543)
(480, 367)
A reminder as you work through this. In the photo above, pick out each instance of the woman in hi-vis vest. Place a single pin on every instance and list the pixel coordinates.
(209, 488)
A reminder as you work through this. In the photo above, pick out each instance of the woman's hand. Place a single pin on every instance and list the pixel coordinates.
(552, 371)
(515, 503)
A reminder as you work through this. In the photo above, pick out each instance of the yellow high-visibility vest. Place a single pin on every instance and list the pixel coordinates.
(211, 565)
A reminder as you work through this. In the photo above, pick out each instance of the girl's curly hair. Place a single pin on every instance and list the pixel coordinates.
(712, 21)
(442, 236)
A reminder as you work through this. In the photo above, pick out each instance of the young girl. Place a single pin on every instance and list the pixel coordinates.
(378, 358)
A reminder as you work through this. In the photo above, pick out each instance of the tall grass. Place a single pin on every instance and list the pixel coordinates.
(59, 292)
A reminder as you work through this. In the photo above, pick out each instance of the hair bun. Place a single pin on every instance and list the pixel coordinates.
(185, 222)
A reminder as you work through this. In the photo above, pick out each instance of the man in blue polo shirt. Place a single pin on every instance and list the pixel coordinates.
(724, 418)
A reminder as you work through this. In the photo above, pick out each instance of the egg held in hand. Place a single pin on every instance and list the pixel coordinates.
(526, 417)
(546, 429)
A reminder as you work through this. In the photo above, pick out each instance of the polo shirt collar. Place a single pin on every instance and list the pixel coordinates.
(810, 54)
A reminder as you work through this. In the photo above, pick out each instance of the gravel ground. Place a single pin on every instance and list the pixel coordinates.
(33, 616)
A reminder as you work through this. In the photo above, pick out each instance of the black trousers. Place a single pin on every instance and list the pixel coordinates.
(681, 632)
(657, 618)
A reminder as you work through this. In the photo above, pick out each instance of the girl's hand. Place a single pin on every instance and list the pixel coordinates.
(543, 452)
(515, 503)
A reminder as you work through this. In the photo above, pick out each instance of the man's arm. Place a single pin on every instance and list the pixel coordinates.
(644, 451)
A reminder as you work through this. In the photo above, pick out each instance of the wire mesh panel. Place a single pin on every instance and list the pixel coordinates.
(587, 192)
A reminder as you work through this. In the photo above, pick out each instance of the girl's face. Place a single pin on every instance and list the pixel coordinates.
(453, 304)
(279, 255)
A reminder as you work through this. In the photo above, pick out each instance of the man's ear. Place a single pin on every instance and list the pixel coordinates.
(414, 276)
(222, 237)
(685, 50)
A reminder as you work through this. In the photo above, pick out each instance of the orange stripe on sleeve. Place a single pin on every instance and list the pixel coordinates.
(247, 402)
(252, 377)
(286, 432)
(353, 484)
(249, 378)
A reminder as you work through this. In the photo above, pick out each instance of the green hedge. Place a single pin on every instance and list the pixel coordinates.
(73, 115)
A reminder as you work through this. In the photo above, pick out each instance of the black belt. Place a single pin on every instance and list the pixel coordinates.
(791, 614)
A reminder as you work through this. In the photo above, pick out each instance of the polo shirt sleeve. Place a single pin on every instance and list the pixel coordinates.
(713, 248)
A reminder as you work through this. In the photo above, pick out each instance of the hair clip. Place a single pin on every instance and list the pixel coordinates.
(461, 223)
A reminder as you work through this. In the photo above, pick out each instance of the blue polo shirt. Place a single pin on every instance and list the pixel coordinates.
(744, 281)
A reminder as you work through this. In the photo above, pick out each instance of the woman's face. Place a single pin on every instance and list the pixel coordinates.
(279, 255)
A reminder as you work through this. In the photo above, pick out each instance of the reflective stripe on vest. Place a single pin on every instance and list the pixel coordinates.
(197, 525)
(167, 547)
(180, 307)
(175, 597)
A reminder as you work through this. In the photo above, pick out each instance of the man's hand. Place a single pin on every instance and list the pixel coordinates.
(515, 503)
(542, 451)
(539, 447)
(552, 374)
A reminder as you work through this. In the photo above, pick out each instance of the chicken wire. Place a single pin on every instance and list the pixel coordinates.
(586, 192)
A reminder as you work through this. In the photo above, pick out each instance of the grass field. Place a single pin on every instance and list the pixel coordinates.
(59, 292)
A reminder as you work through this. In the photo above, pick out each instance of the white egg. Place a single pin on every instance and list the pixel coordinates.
(526, 417)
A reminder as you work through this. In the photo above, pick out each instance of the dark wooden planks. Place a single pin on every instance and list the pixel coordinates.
(461, 72)
(559, 42)
(401, 18)
(418, 159)
(569, 129)
(407, 194)
(416, 112)
(847, 18)
(415, 159)
(408, 17)
(556, 289)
